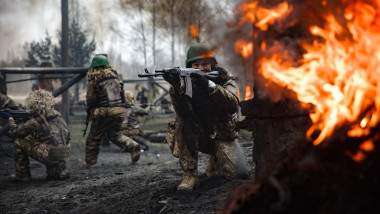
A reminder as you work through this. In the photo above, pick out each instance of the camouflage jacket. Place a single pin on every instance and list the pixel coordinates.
(33, 130)
(94, 76)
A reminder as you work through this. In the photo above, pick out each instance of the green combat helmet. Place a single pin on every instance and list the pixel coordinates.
(99, 60)
(199, 51)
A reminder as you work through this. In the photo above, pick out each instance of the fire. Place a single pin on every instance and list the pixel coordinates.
(208, 54)
(248, 93)
(262, 16)
(338, 77)
(244, 48)
(194, 31)
(268, 16)
(338, 72)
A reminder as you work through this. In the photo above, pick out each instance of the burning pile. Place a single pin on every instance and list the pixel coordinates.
(324, 54)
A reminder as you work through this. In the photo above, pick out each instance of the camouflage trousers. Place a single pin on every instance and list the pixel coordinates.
(49, 155)
(111, 126)
(226, 157)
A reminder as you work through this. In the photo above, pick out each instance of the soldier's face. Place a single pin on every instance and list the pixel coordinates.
(202, 64)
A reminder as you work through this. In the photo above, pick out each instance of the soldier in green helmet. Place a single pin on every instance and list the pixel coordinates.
(106, 107)
(206, 122)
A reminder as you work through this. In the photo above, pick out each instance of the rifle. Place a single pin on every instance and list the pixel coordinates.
(19, 116)
(184, 73)
(87, 121)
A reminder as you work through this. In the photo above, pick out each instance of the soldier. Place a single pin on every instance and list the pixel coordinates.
(106, 106)
(130, 125)
(206, 122)
(5, 101)
(44, 137)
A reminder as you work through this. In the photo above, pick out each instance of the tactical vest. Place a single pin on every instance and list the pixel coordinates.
(55, 130)
(110, 93)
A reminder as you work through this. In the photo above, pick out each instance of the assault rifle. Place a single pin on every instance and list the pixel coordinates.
(184, 73)
(19, 115)
(87, 121)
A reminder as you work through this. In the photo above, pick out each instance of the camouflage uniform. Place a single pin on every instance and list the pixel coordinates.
(207, 123)
(44, 137)
(106, 107)
(131, 127)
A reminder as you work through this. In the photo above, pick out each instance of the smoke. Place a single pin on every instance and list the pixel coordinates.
(26, 21)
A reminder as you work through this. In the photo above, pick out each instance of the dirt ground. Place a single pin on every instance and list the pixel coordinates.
(117, 185)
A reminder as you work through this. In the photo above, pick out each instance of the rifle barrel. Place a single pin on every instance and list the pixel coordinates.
(149, 75)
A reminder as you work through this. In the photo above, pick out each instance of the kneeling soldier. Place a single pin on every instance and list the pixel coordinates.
(44, 137)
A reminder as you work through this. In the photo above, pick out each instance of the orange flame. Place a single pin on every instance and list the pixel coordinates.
(338, 77)
(262, 16)
(243, 48)
(339, 72)
(248, 93)
(194, 31)
(268, 16)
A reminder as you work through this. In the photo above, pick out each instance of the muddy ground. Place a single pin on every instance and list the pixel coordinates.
(117, 185)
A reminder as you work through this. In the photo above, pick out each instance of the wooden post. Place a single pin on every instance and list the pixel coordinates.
(65, 110)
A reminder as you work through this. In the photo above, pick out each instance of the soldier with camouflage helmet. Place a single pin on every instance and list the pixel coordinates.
(44, 137)
(106, 107)
(206, 122)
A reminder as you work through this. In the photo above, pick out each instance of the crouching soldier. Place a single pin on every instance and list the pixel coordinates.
(206, 122)
(43, 137)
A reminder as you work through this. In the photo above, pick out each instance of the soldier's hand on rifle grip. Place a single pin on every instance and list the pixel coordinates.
(172, 76)
(222, 75)
(5, 115)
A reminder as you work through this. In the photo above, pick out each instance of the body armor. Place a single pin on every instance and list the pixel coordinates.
(110, 93)
(54, 130)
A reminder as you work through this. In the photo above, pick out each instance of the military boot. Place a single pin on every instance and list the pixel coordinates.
(50, 172)
(134, 149)
(210, 169)
(89, 166)
(61, 171)
(16, 178)
(190, 181)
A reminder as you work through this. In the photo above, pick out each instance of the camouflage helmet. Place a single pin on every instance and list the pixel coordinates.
(39, 102)
(99, 60)
(199, 51)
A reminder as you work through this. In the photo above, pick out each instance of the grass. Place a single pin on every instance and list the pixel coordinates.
(76, 134)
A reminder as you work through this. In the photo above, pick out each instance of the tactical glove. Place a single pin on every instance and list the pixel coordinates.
(222, 75)
(172, 76)
(200, 80)
(5, 115)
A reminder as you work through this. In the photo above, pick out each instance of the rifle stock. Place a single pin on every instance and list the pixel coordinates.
(87, 121)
